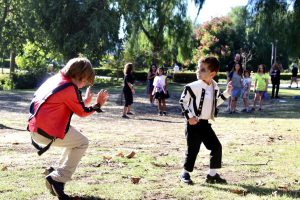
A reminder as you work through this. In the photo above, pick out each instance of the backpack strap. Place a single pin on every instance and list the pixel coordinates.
(41, 149)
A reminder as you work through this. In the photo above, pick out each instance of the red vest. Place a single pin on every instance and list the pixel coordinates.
(53, 106)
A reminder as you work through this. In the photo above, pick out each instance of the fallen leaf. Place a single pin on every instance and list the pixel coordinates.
(4, 168)
(120, 154)
(15, 143)
(260, 183)
(296, 182)
(239, 191)
(280, 137)
(107, 158)
(159, 165)
(284, 188)
(135, 180)
(163, 154)
(130, 155)
(96, 165)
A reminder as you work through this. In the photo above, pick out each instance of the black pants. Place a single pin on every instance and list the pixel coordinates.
(195, 135)
(275, 85)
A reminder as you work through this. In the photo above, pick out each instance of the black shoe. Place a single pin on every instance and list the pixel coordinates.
(215, 179)
(165, 113)
(185, 178)
(56, 188)
(125, 117)
(130, 113)
(160, 113)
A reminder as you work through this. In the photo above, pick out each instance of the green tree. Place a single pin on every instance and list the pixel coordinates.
(164, 23)
(269, 26)
(12, 27)
(89, 27)
(215, 38)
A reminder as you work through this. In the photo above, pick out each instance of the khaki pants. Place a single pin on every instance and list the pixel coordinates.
(75, 145)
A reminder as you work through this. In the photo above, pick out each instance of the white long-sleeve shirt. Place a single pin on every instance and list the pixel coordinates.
(200, 100)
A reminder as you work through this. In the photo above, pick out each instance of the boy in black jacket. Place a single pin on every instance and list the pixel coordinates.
(199, 102)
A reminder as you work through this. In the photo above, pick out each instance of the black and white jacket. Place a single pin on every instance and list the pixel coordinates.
(192, 98)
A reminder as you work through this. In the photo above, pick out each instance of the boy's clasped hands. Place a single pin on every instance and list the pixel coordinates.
(101, 99)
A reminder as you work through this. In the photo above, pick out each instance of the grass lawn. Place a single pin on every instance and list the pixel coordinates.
(261, 152)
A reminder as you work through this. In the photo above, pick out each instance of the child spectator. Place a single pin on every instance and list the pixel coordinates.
(246, 91)
(261, 80)
(50, 115)
(199, 102)
(236, 80)
(128, 90)
(160, 91)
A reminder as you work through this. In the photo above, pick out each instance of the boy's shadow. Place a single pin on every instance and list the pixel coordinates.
(90, 198)
(260, 191)
(6, 127)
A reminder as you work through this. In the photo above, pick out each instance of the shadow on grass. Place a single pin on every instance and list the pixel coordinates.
(90, 198)
(6, 127)
(158, 120)
(260, 191)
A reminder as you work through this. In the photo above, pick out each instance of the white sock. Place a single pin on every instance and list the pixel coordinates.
(212, 172)
(184, 171)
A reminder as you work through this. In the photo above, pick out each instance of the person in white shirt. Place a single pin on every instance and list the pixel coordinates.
(176, 68)
(160, 91)
(199, 102)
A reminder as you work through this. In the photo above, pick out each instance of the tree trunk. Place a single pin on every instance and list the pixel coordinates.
(12, 65)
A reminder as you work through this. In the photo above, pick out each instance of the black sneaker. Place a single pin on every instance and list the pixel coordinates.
(160, 113)
(130, 113)
(185, 178)
(125, 117)
(57, 188)
(215, 179)
(165, 113)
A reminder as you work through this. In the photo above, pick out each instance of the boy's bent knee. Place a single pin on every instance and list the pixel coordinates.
(85, 142)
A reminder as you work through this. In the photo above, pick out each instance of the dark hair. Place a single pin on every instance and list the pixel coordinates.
(263, 66)
(128, 68)
(275, 66)
(212, 63)
(150, 69)
(240, 72)
(246, 71)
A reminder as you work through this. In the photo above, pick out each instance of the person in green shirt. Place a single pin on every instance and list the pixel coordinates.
(261, 80)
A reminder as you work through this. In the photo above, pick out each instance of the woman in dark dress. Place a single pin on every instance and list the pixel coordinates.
(128, 90)
(150, 77)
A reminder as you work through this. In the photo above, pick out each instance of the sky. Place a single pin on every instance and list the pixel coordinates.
(213, 8)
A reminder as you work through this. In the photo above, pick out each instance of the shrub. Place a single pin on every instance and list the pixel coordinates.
(185, 77)
(5, 83)
(287, 76)
(140, 76)
(188, 77)
(28, 80)
(103, 72)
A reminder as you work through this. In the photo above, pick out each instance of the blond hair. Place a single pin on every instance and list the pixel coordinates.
(79, 69)
(128, 68)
